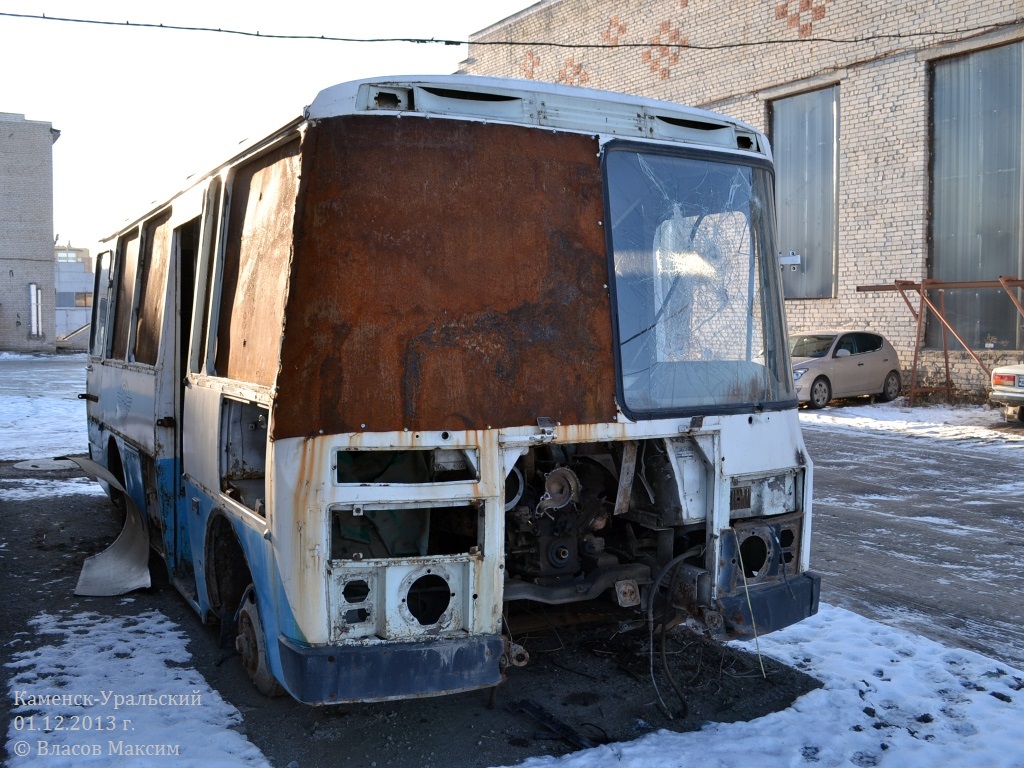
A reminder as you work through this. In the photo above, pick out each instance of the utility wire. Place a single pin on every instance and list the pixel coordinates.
(527, 43)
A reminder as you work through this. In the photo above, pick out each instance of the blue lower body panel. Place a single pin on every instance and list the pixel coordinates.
(337, 674)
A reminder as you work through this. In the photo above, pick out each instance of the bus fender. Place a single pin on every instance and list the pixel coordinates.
(124, 565)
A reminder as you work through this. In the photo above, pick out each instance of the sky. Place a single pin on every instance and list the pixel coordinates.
(889, 697)
(140, 110)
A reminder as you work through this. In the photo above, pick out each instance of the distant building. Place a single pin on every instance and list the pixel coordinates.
(898, 131)
(26, 234)
(74, 296)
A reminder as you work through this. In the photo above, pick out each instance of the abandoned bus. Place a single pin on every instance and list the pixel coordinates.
(446, 343)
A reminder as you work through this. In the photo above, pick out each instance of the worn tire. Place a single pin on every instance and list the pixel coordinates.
(891, 387)
(821, 393)
(251, 646)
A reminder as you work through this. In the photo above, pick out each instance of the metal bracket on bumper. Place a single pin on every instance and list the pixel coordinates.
(337, 674)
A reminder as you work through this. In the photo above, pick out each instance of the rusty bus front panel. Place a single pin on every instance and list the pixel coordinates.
(448, 275)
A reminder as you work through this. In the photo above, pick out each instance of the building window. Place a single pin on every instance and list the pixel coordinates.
(805, 139)
(35, 309)
(977, 206)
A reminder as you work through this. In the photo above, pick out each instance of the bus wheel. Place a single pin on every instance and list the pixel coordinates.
(252, 648)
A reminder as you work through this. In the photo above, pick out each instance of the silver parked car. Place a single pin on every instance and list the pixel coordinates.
(829, 364)
(1008, 389)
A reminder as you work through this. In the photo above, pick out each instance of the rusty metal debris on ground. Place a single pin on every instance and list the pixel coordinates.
(555, 727)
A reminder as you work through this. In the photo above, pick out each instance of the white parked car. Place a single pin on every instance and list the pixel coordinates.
(1008, 389)
(828, 364)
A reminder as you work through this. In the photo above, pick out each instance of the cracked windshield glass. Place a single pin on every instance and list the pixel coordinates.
(699, 317)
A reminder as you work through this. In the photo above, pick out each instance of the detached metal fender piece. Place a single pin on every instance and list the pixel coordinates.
(124, 565)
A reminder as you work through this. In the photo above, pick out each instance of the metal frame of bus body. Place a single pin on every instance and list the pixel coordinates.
(285, 545)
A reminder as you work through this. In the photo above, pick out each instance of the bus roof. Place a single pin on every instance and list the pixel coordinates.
(511, 101)
(529, 102)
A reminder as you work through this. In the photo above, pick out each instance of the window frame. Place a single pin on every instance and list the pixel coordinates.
(786, 243)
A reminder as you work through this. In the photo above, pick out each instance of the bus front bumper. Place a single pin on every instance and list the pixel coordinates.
(386, 671)
(776, 606)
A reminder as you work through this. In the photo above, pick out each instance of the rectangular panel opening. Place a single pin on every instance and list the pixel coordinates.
(407, 467)
(243, 429)
(359, 533)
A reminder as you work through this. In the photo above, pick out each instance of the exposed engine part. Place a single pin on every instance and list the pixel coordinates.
(589, 588)
(561, 487)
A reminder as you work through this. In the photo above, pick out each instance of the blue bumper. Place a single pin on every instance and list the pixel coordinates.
(394, 670)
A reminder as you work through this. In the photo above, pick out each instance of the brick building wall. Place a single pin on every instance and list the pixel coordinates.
(26, 234)
(884, 81)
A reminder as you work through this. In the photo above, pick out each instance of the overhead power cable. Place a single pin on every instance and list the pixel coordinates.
(530, 43)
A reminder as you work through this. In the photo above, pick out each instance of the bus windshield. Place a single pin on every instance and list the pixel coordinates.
(699, 313)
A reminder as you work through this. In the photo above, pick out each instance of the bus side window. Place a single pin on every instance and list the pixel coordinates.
(100, 316)
(153, 269)
(205, 278)
(124, 293)
(254, 278)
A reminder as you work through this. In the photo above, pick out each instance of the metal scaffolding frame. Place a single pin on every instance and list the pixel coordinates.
(924, 304)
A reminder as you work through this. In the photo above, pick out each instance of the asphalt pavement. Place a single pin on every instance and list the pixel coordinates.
(924, 534)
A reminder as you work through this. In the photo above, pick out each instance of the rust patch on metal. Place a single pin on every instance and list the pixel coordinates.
(448, 275)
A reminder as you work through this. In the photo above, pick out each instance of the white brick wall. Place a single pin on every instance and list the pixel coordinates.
(26, 231)
(883, 97)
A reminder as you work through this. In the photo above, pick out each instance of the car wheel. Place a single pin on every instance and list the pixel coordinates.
(821, 392)
(892, 386)
(250, 645)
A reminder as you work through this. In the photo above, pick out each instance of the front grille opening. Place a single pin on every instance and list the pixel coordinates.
(428, 599)
(356, 591)
(356, 616)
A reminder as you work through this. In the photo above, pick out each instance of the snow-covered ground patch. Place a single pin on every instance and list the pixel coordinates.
(120, 691)
(32, 488)
(940, 422)
(41, 414)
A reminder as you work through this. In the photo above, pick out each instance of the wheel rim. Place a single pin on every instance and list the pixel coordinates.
(247, 645)
(819, 393)
(892, 386)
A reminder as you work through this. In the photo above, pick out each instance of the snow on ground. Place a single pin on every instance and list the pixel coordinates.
(972, 423)
(98, 668)
(41, 414)
(889, 697)
(32, 488)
